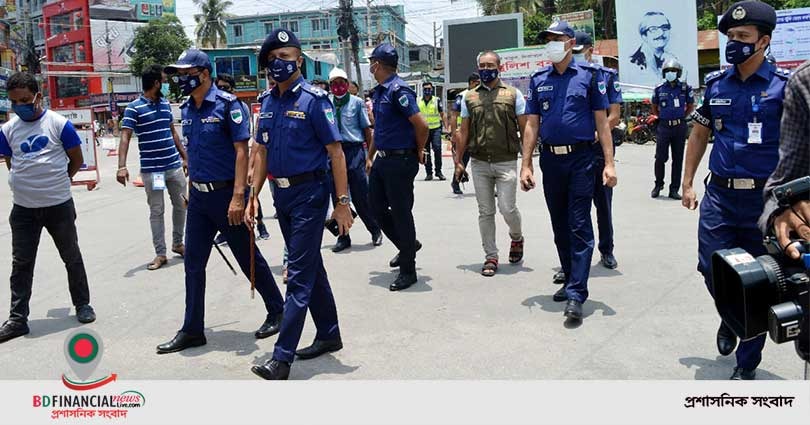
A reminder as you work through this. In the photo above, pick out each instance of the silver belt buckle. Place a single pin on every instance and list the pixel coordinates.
(560, 150)
(200, 187)
(381, 154)
(743, 184)
(282, 182)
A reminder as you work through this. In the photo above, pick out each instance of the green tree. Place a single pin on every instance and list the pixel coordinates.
(210, 29)
(159, 42)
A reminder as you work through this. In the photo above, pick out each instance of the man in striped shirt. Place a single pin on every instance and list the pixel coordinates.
(163, 160)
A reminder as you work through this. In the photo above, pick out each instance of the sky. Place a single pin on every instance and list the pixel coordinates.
(420, 14)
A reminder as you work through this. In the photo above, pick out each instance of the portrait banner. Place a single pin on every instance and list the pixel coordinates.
(650, 32)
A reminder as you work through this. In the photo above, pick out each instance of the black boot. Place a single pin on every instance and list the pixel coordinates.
(656, 191)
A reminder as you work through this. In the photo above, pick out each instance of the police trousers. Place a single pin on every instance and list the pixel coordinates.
(673, 138)
(568, 188)
(358, 186)
(391, 198)
(728, 219)
(301, 210)
(434, 143)
(603, 202)
(208, 214)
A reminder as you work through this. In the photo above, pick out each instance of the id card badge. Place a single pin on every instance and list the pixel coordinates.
(677, 102)
(755, 132)
(158, 181)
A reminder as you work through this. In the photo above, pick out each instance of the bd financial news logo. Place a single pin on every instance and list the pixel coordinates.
(83, 350)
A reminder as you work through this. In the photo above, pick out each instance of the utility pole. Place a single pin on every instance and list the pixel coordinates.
(349, 35)
(368, 23)
(110, 86)
(30, 52)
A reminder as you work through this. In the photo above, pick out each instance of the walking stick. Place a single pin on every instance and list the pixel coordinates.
(252, 251)
(222, 254)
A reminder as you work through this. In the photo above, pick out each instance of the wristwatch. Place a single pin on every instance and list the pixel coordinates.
(343, 200)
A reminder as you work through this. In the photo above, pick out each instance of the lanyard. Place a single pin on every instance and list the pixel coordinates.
(755, 107)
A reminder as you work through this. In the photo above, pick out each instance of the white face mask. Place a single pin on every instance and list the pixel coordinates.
(580, 57)
(671, 76)
(556, 51)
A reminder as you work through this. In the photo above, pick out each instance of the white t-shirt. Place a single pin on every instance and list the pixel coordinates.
(520, 103)
(39, 164)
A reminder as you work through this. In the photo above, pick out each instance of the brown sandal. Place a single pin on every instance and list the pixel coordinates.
(157, 263)
(490, 267)
(516, 251)
(179, 250)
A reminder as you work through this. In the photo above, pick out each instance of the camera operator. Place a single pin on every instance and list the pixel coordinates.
(742, 107)
(794, 162)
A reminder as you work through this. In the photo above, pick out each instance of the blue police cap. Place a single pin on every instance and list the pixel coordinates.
(557, 28)
(191, 58)
(275, 40)
(385, 53)
(748, 13)
(583, 40)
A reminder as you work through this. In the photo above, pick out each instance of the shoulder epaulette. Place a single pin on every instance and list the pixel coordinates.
(782, 73)
(225, 95)
(315, 91)
(713, 76)
(542, 70)
(264, 94)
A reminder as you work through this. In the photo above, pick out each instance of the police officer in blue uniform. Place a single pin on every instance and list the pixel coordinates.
(297, 131)
(672, 101)
(216, 130)
(742, 108)
(400, 135)
(567, 103)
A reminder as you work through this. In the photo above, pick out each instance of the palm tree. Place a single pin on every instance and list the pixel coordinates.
(210, 30)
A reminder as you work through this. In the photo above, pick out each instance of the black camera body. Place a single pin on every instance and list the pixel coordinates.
(769, 293)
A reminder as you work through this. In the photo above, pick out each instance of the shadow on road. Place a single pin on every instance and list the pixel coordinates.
(720, 368)
(173, 261)
(385, 279)
(354, 248)
(597, 270)
(59, 320)
(547, 303)
(307, 369)
(503, 268)
(225, 341)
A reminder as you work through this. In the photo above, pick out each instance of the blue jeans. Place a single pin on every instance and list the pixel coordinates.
(435, 143)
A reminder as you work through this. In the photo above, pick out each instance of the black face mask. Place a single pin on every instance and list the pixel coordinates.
(738, 52)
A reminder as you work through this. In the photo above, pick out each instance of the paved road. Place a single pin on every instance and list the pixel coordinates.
(650, 319)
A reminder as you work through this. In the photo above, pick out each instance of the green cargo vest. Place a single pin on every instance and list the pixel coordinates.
(493, 135)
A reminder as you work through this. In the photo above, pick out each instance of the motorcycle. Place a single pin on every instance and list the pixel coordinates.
(644, 130)
(619, 133)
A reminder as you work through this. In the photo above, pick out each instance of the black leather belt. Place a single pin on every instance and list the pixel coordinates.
(565, 149)
(285, 182)
(672, 123)
(396, 152)
(211, 186)
(738, 184)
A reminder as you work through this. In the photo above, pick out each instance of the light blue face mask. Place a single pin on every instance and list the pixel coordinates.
(164, 89)
(671, 76)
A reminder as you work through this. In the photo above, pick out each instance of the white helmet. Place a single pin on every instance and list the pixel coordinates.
(337, 73)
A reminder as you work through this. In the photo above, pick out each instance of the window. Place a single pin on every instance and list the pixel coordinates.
(322, 46)
(320, 24)
(268, 27)
(237, 31)
(318, 68)
(291, 26)
(413, 55)
(60, 24)
(77, 21)
(64, 53)
(70, 87)
(39, 33)
(325, 24)
(234, 65)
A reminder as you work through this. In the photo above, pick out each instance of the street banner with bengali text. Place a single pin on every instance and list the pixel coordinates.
(579, 21)
(651, 32)
(517, 65)
(790, 42)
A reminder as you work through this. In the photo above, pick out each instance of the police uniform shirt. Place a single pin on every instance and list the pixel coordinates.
(565, 103)
(729, 106)
(210, 132)
(295, 127)
(672, 100)
(614, 90)
(394, 104)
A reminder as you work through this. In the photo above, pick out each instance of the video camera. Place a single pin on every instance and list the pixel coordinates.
(768, 293)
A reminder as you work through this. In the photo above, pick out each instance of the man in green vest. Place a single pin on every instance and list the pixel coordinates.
(491, 116)
(430, 107)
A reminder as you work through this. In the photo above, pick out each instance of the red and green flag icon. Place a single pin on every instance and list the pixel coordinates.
(83, 352)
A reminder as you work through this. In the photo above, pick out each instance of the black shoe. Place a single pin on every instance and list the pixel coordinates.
(726, 340)
(559, 277)
(457, 190)
(573, 310)
(263, 234)
(441, 176)
(220, 239)
(12, 329)
(673, 194)
(319, 348)
(741, 374)
(85, 314)
(609, 261)
(180, 342)
(395, 261)
(376, 238)
(656, 191)
(270, 326)
(343, 242)
(560, 295)
(403, 281)
(429, 177)
(273, 370)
